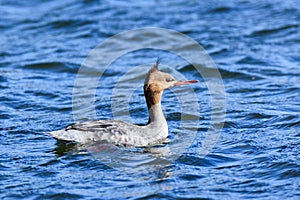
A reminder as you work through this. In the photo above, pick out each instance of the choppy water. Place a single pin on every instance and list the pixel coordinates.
(256, 48)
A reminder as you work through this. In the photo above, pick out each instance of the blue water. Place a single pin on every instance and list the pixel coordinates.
(255, 45)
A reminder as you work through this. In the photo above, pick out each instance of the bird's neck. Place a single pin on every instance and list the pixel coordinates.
(156, 114)
(153, 98)
(157, 123)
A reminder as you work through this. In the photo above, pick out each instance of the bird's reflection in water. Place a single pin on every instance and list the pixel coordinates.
(154, 159)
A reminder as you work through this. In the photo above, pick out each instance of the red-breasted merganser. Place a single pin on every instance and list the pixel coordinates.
(123, 133)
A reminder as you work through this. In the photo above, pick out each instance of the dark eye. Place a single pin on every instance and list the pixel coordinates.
(169, 79)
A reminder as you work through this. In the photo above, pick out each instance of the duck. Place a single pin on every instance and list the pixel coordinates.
(122, 133)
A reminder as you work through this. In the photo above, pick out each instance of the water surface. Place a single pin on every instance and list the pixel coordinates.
(256, 48)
